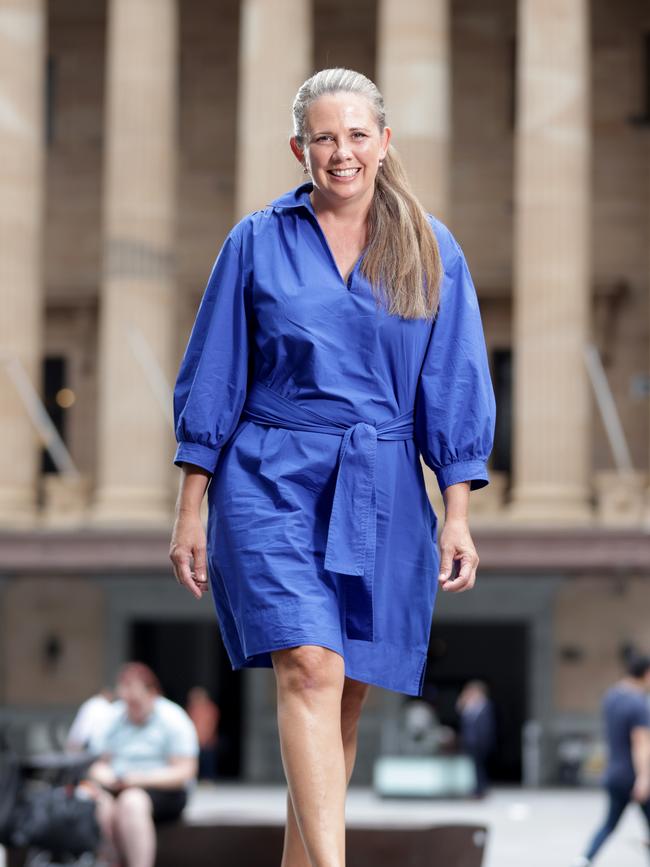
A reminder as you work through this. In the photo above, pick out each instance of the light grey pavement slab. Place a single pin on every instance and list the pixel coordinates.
(528, 828)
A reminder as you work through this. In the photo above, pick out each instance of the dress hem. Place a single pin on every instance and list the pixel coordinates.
(261, 659)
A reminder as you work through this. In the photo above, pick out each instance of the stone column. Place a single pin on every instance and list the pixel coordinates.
(274, 60)
(137, 292)
(22, 157)
(552, 439)
(414, 75)
(646, 517)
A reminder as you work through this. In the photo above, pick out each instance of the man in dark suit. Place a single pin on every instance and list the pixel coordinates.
(477, 729)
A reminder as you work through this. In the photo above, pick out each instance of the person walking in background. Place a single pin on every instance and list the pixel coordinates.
(148, 760)
(204, 713)
(339, 338)
(477, 730)
(627, 733)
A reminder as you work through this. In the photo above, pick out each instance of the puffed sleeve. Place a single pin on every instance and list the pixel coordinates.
(212, 381)
(454, 406)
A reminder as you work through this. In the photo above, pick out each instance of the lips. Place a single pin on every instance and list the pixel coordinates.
(344, 173)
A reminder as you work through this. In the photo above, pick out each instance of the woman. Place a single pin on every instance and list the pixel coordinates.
(314, 376)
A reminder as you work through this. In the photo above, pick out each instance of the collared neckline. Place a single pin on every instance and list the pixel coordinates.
(300, 198)
(296, 198)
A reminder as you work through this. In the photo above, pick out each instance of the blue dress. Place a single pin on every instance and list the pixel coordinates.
(311, 405)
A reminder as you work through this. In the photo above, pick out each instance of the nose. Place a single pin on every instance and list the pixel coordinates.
(342, 152)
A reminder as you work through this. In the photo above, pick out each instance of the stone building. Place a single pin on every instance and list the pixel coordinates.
(132, 134)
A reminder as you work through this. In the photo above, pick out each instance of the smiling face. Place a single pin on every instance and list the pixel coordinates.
(342, 149)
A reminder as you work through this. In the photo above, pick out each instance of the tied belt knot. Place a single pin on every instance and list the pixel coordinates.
(352, 532)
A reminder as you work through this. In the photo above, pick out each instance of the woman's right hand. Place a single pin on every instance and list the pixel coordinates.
(187, 552)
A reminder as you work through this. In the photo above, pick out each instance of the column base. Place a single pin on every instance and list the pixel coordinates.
(65, 501)
(18, 508)
(621, 497)
(551, 505)
(646, 515)
(133, 506)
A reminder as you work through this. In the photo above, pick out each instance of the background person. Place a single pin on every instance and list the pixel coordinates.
(204, 713)
(339, 337)
(477, 730)
(90, 720)
(627, 732)
(149, 757)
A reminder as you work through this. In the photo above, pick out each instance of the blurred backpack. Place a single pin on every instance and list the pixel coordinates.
(54, 819)
(43, 816)
(10, 784)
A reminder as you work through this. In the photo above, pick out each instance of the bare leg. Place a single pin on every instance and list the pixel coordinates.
(105, 812)
(353, 697)
(134, 828)
(309, 686)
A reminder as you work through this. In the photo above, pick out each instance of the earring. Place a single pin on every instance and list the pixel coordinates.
(381, 163)
(305, 170)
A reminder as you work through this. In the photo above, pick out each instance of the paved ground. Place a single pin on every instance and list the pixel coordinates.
(527, 828)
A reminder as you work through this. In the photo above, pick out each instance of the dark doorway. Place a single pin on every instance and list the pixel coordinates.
(185, 654)
(496, 653)
(54, 376)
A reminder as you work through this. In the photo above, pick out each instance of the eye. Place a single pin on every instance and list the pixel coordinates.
(358, 134)
(323, 138)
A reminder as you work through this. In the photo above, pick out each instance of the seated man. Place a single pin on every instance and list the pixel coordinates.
(148, 759)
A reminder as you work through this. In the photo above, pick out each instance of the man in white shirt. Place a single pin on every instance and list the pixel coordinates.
(148, 760)
(90, 720)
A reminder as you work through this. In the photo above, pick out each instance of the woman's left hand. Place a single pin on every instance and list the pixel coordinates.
(456, 546)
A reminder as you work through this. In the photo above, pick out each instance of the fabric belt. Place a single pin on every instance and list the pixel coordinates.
(352, 533)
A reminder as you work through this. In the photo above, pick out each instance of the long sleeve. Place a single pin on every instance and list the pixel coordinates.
(454, 406)
(211, 386)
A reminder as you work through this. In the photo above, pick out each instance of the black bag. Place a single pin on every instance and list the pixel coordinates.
(52, 819)
(10, 782)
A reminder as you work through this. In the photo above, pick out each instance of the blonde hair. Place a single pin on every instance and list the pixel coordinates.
(402, 259)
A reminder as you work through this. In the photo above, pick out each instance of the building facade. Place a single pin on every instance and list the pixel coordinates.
(133, 133)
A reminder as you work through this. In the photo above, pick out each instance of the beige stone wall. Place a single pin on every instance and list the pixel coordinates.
(77, 37)
(596, 616)
(344, 35)
(621, 213)
(22, 162)
(482, 184)
(37, 611)
(209, 39)
(483, 37)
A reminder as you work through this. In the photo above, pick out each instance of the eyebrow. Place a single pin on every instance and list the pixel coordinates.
(350, 129)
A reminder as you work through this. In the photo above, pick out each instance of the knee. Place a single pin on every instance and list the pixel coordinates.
(133, 805)
(307, 669)
(352, 701)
